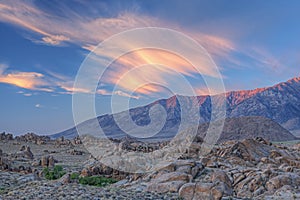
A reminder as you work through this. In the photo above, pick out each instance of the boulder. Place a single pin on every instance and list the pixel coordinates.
(187, 191)
(25, 152)
(51, 161)
(65, 179)
(168, 182)
(173, 176)
(172, 186)
(47, 161)
(6, 136)
(277, 182)
(28, 152)
(31, 137)
(44, 161)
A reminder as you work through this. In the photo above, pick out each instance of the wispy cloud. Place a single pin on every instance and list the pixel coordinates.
(117, 92)
(55, 30)
(87, 31)
(49, 82)
(77, 28)
(26, 94)
(27, 80)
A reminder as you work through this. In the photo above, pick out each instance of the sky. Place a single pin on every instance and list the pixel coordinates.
(43, 44)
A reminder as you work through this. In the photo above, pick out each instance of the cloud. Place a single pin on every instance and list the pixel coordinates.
(87, 31)
(69, 89)
(55, 39)
(36, 81)
(83, 30)
(24, 94)
(38, 106)
(207, 91)
(27, 80)
(117, 92)
(51, 82)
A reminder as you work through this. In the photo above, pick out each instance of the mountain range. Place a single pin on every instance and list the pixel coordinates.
(279, 103)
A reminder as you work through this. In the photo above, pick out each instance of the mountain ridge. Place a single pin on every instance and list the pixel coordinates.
(280, 103)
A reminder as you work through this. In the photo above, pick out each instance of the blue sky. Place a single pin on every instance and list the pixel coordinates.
(43, 43)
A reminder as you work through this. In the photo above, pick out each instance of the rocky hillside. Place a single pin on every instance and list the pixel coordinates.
(250, 127)
(281, 103)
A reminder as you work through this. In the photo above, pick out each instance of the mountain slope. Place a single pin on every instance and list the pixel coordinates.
(281, 103)
(250, 127)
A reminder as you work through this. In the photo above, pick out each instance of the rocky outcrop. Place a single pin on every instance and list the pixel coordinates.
(63, 142)
(47, 161)
(75, 152)
(24, 152)
(6, 136)
(94, 168)
(247, 169)
(17, 162)
(76, 141)
(31, 137)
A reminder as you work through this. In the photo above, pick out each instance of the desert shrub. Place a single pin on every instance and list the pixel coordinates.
(2, 190)
(74, 176)
(96, 181)
(54, 174)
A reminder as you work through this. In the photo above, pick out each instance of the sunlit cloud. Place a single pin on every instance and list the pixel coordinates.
(55, 29)
(27, 80)
(117, 92)
(204, 91)
(50, 82)
(55, 39)
(89, 31)
(66, 87)
(127, 72)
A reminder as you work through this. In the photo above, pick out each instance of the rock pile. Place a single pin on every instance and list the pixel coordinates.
(47, 161)
(18, 162)
(24, 152)
(94, 168)
(31, 137)
(6, 136)
(131, 144)
(75, 152)
(62, 142)
(76, 140)
(246, 169)
(249, 169)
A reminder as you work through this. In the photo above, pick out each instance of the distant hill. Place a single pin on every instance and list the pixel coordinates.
(250, 127)
(281, 103)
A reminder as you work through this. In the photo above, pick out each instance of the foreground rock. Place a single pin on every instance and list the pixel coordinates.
(247, 169)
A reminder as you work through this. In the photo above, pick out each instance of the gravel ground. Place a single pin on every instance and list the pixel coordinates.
(17, 186)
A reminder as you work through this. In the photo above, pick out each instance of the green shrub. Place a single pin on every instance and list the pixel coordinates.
(96, 181)
(74, 176)
(54, 174)
(2, 190)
